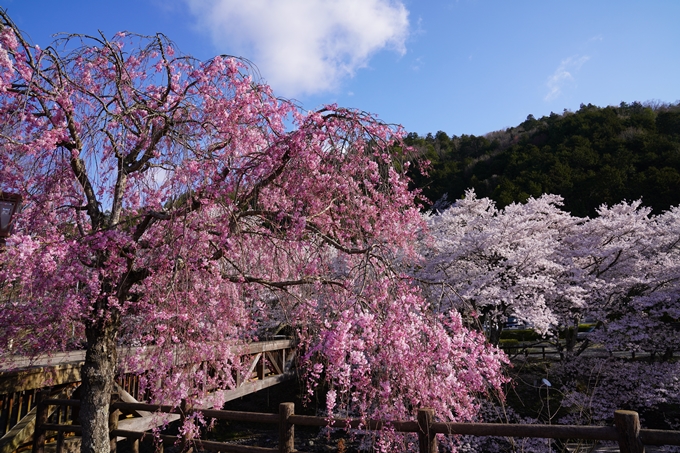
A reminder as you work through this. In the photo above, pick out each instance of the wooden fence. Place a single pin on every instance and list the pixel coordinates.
(547, 350)
(627, 432)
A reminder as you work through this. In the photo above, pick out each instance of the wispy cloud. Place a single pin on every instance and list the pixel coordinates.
(418, 63)
(305, 46)
(564, 76)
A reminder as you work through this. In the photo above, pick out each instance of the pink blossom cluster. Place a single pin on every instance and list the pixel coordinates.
(180, 207)
(385, 358)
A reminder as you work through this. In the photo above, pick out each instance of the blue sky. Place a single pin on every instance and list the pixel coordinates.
(464, 67)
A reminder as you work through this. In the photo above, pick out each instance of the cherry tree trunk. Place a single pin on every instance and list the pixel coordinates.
(570, 337)
(495, 333)
(98, 374)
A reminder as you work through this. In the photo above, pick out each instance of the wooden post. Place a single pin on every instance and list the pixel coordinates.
(286, 429)
(114, 415)
(10, 410)
(260, 367)
(134, 445)
(20, 406)
(183, 409)
(40, 420)
(183, 412)
(628, 425)
(60, 441)
(427, 440)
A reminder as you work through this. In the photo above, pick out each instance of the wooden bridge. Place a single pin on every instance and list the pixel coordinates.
(23, 379)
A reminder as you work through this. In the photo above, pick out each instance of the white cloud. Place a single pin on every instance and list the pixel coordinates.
(563, 76)
(304, 46)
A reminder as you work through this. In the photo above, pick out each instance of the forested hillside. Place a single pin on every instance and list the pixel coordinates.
(592, 156)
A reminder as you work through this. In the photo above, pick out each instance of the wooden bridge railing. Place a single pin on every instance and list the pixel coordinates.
(627, 432)
(22, 379)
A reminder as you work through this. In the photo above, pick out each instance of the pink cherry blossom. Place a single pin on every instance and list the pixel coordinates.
(180, 205)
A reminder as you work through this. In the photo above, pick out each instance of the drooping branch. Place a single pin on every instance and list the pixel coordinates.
(285, 283)
(93, 210)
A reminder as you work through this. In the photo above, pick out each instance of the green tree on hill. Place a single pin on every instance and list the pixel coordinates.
(592, 156)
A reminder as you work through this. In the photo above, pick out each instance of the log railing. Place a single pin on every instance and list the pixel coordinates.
(546, 350)
(627, 432)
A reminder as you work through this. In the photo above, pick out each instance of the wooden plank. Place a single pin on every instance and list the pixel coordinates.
(542, 431)
(273, 360)
(135, 424)
(13, 363)
(23, 373)
(250, 387)
(256, 417)
(141, 424)
(20, 433)
(35, 378)
(127, 398)
(43, 360)
(253, 364)
(356, 423)
(145, 407)
(659, 437)
(264, 346)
